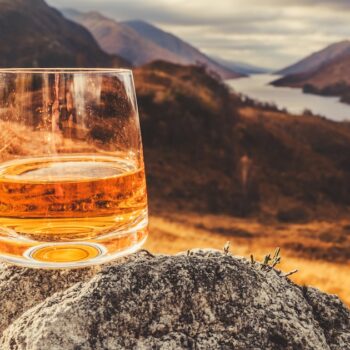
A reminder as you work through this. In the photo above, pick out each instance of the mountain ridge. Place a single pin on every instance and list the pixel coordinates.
(189, 53)
(317, 59)
(142, 43)
(34, 34)
(116, 37)
(331, 78)
(241, 67)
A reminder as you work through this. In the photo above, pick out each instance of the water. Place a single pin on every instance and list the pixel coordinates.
(293, 99)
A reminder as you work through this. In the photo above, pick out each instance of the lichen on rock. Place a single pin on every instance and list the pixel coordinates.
(202, 300)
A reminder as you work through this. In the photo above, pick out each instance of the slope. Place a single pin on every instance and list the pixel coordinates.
(34, 34)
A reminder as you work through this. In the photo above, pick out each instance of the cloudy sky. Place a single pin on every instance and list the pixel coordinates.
(270, 33)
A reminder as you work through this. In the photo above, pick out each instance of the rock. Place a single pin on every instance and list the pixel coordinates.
(332, 316)
(22, 288)
(204, 300)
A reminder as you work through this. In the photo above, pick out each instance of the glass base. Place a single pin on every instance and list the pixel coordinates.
(77, 254)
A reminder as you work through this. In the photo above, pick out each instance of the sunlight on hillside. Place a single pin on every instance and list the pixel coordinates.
(171, 233)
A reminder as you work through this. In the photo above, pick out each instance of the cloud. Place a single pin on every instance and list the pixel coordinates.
(274, 33)
(337, 4)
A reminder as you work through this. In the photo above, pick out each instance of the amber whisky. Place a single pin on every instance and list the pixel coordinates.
(96, 204)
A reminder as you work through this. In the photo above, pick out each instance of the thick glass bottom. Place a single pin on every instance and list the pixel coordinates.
(72, 254)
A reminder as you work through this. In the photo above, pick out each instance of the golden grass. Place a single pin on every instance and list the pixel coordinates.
(172, 233)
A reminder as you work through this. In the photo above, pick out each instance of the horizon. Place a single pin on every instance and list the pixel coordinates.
(272, 35)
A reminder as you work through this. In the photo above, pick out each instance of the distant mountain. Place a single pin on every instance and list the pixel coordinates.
(241, 67)
(32, 34)
(330, 79)
(140, 42)
(118, 38)
(319, 58)
(187, 53)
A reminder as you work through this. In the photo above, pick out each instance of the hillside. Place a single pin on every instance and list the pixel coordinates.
(325, 72)
(241, 67)
(318, 59)
(34, 34)
(219, 169)
(332, 79)
(225, 156)
(118, 38)
(188, 53)
(140, 42)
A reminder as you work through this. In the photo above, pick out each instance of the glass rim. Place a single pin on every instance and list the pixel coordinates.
(64, 70)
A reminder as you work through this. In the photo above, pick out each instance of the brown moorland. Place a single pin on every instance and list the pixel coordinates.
(223, 169)
(209, 151)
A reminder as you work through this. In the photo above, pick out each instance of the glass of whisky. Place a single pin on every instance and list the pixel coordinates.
(72, 180)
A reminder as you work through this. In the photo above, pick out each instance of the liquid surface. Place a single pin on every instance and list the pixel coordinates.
(70, 187)
(99, 199)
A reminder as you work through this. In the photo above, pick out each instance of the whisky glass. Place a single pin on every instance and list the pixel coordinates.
(72, 180)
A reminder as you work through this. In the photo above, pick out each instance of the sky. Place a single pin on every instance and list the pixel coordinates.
(267, 33)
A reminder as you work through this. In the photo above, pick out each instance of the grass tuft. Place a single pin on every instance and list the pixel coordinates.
(269, 263)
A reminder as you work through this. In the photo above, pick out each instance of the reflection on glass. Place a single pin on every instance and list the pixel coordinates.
(72, 181)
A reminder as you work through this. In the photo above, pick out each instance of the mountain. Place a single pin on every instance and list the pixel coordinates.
(117, 38)
(241, 67)
(187, 53)
(331, 79)
(32, 34)
(141, 43)
(325, 72)
(318, 59)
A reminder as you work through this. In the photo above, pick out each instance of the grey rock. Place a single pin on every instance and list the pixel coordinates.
(22, 288)
(200, 300)
(332, 315)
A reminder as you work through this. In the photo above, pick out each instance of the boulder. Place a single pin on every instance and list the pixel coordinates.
(22, 288)
(200, 300)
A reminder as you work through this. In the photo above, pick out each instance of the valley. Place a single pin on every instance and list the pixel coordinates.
(292, 99)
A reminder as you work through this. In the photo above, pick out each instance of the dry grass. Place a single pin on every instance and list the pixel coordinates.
(171, 233)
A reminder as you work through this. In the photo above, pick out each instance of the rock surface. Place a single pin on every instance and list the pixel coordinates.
(204, 300)
(22, 288)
